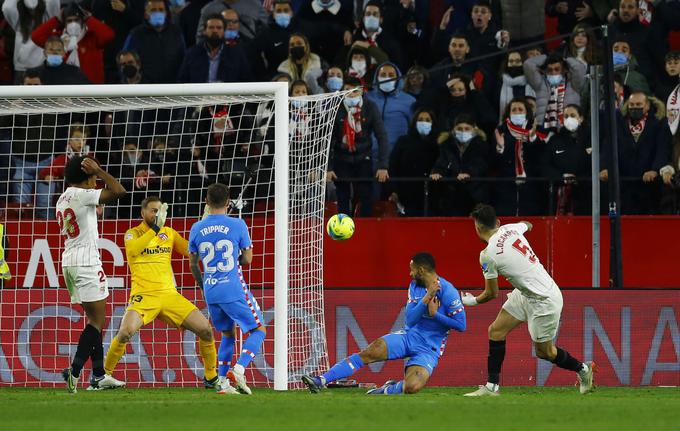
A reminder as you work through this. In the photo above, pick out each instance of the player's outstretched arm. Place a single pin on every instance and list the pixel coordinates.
(490, 292)
(528, 225)
(114, 189)
(195, 269)
(457, 322)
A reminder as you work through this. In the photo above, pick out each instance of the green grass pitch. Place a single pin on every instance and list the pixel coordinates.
(519, 409)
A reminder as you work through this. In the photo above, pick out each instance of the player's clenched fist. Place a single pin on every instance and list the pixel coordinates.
(469, 299)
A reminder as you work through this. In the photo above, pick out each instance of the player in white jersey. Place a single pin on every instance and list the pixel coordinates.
(536, 299)
(82, 266)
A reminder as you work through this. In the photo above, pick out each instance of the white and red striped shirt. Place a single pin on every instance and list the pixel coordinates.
(77, 218)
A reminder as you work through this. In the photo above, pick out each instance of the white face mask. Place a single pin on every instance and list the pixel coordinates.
(571, 124)
(359, 66)
(73, 28)
(31, 4)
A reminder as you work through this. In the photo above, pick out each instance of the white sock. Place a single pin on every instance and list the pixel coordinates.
(323, 381)
(492, 387)
(238, 368)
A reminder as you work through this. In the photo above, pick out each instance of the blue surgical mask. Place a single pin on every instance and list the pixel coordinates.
(371, 23)
(298, 103)
(231, 34)
(351, 102)
(157, 19)
(424, 128)
(620, 59)
(464, 137)
(178, 3)
(282, 19)
(334, 83)
(54, 60)
(387, 86)
(555, 79)
(518, 119)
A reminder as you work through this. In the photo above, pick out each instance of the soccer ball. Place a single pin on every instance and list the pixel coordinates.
(340, 227)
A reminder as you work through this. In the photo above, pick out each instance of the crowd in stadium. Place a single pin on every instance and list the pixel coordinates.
(508, 117)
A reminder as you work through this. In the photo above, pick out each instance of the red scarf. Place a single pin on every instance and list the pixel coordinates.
(554, 113)
(521, 136)
(351, 127)
(637, 129)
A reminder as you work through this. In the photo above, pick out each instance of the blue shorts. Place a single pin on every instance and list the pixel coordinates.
(244, 312)
(402, 346)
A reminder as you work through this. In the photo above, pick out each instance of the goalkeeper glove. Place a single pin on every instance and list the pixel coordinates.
(469, 299)
(161, 215)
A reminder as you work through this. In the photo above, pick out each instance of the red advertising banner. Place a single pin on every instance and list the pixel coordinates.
(633, 336)
(377, 256)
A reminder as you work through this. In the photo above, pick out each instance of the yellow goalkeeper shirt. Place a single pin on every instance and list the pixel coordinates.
(149, 257)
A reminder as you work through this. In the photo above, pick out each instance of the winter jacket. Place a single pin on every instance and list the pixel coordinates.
(250, 12)
(64, 74)
(565, 153)
(310, 74)
(233, 65)
(631, 78)
(396, 107)
(645, 43)
(90, 47)
(272, 44)
(575, 80)
(475, 105)
(511, 88)
(371, 125)
(27, 54)
(161, 52)
(473, 161)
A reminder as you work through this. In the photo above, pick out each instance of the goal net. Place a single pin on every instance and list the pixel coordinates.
(169, 141)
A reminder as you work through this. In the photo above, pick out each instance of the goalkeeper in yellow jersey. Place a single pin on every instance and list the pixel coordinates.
(149, 249)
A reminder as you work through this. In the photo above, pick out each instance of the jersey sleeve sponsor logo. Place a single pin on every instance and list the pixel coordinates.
(456, 303)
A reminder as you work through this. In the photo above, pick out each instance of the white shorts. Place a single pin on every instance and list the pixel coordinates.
(541, 314)
(86, 283)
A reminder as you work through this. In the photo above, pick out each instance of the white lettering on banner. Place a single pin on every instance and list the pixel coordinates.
(346, 322)
(666, 318)
(592, 325)
(112, 247)
(41, 252)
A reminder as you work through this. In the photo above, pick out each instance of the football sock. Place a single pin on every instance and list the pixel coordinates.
(87, 339)
(251, 347)
(116, 351)
(564, 360)
(97, 356)
(495, 360)
(224, 355)
(209, 356)
(344, 368)
(395, 389)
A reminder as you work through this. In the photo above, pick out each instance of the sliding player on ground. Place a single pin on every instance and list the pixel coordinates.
(149, 249)
(223, 244)
(433, 308)
(82, 265)
(536, 299)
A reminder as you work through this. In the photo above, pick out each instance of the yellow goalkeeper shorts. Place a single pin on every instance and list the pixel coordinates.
(169, 306)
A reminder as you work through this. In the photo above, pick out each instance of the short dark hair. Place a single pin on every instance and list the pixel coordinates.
(424, 260)
(353, 81)
(217, 16)
(32, 73)
(465, 118)
(73, 172)
(218, 195)
(149, 199)
(485, 216)
(54, 39)
(482, 3)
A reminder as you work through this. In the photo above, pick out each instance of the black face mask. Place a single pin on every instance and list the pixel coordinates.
(297, 52)
(457, 100)
(514, 71)
(636, 114)
(214, 41)
(129, 71)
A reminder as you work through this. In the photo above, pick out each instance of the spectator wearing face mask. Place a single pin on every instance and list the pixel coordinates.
(567, 156)
(513, 82)
(84, 36)
(370, 36)
(334, 79)
(302, 64)
(626, 67)
(24, 16)
(130, 68)
(414, 156)
(359, 64)
(671, 76)
(557, 83)
(252, 15)
(463, 157)
(271, 43)
(644, 142)
(356, 125)
(159, 44)
(458, 99)
(54, 71)
(396, 107)
(121, 16)
(213, 60)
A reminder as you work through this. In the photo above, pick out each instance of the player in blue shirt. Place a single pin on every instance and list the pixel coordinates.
(223, 245)
(433, 308)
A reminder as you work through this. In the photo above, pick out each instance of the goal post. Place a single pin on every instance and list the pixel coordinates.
(276, 155)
